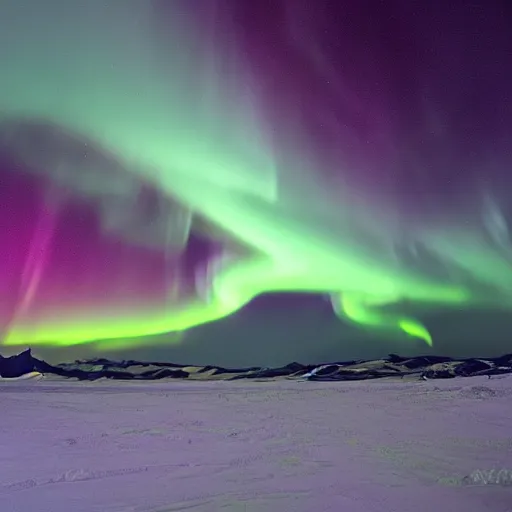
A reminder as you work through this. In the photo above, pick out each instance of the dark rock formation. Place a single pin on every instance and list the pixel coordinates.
(421, 367)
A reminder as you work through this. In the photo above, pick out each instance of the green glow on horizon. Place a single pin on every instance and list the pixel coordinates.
(233, 288)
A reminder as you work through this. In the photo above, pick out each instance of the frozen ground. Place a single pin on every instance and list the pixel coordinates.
(254, 447)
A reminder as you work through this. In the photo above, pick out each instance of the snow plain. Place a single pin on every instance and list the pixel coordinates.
(279, 446)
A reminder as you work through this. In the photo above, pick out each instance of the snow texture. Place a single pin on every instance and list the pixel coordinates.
(379, 446)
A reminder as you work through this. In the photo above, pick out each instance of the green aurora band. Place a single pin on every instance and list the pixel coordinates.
(189, 120)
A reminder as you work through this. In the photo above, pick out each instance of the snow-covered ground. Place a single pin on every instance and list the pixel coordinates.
(254, 447)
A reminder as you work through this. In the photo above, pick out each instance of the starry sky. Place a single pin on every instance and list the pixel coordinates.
(414, 98)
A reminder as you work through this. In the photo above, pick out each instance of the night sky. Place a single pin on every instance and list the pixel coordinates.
(411, 99)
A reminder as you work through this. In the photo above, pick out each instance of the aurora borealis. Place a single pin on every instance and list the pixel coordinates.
(165, 165)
